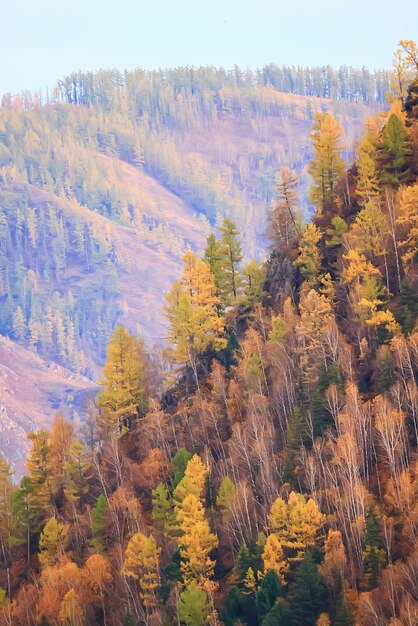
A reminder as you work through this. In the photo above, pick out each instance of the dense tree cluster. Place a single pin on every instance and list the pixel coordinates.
(274, 481)
(61, 170)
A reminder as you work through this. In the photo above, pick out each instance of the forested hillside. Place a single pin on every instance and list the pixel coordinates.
(109, 145)
(269, 477)
(107, 181)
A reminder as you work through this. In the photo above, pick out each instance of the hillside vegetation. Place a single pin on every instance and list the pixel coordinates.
(85, 179)
(108, 181)
(270, 477)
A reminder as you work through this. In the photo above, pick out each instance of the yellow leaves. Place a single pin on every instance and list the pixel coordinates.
(71, 613)
(193, 481)
(385, 319)
(124, 393)
(196, 540)
(196, 546)
(250, 582)
(407, 223)
(367, 175)
(327, 166)
(315, 312)
(309, 258)
(273, 557)
(295, 523)
(358, 266)
(405, 68)
(192, 311)
(142, 564)
(196, 471)
(189, 512)
(335, 559)
(366, 290)
(52, 542)
(197, 281)
(370, 229)
(278, 517)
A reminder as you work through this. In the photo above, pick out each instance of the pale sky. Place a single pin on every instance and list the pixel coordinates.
(42, 40)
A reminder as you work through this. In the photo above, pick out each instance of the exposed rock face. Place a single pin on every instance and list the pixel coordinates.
(282, 276)
(31, 393)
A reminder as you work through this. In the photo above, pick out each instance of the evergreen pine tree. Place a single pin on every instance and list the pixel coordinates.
(394, 151)
(305, 593)
(179, 464)
(373, 556)
(231, 256)
(98, 523)
(321, 416)
(280, 615)
(343, 616)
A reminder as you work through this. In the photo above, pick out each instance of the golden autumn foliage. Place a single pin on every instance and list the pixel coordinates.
(192, 311)
(142, 563)
(52, 542)
(273, 557)
(327, 166)
(309, 259)
(274, 479)
(407, 221)
(295, 522)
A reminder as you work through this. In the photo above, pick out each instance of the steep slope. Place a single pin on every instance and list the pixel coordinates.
(100, 200)
(127, 284)
(31, 392)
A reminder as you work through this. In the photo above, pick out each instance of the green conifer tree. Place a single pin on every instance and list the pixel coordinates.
(305, 593)
(193, 606)
(394, 151)
(98, 523)
(124, 394)
(230, 280)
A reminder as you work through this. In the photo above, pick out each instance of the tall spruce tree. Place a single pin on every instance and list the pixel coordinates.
(125, 392)
(305, 593)
(394, 150)
(327, 166)
(230, 258)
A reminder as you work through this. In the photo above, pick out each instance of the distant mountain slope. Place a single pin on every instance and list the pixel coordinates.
(31, 392)
(103, 190)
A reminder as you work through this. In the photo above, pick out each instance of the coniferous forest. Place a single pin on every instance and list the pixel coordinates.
(260, 469)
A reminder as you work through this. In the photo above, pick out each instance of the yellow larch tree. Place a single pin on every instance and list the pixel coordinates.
(273, 557)
(193, 481)
(189, 511)
(367, 188)
(370, 231)
(142, 559)
(367, 292)
(196, 547)
(309, 257)
(407, 224)
(52, 542)
(124, 394)
(327, 166)
(296, 523)
(71, 612)
(196, 542)
(335, 560)
(192, 313)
